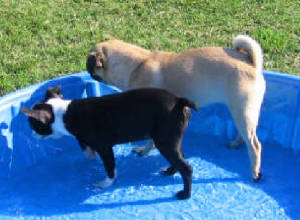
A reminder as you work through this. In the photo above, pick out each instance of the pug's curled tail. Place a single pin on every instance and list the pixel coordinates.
(253, 49)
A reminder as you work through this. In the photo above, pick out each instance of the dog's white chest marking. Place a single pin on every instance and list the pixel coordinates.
(59, 107)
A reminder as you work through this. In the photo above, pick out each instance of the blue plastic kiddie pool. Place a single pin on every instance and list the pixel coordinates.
(52, 179)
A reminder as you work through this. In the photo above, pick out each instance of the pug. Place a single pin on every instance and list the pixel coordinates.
(232, 76)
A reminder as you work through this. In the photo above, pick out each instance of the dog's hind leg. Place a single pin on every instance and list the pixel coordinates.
(168, 140)
(171, 170)
(254, 152)
(245, 115)
(175, 158)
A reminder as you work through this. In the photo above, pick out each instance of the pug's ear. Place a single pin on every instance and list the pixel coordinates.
(54, 92)
(99, 62)
(96, 58)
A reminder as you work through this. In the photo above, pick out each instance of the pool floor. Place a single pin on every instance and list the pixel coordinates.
(62, 186)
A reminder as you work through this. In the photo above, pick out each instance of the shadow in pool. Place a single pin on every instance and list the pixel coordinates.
(61, 183)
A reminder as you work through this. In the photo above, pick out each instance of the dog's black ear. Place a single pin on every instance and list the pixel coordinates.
(28, 112)
(54, 92)
(39, 115)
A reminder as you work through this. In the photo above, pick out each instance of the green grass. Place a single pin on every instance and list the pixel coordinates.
(42, 39)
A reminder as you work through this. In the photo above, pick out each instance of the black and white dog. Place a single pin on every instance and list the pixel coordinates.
(102, 122)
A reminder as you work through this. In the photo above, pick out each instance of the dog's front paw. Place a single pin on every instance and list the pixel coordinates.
(183, 195)
(105, 183)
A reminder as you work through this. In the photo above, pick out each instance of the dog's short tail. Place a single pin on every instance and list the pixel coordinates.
(185, 102)
(252, 47)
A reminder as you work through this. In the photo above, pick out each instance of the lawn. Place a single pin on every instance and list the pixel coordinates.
(42, 39)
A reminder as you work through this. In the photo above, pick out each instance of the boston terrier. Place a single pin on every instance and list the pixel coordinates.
(99, 123)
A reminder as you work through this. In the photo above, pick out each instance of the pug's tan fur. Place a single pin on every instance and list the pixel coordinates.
(205, 75)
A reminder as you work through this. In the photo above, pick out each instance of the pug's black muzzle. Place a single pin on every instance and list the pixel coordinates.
(90, 66)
